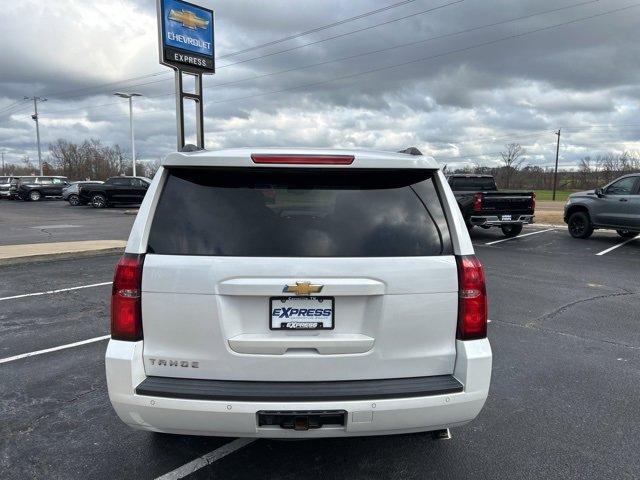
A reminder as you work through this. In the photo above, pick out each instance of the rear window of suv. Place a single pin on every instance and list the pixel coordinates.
(287, 212)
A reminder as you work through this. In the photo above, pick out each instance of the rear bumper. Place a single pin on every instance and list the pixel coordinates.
(495, 220)
(239, 417)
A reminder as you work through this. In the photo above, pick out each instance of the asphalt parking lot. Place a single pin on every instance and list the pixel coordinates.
(54, 220)
(564, 329)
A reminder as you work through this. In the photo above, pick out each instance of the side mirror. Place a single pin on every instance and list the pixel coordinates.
(599, 192)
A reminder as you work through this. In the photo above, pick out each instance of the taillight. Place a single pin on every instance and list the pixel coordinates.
(472, 302)
(126, 308)
(477, 202)
(533, 201)
(303, 159)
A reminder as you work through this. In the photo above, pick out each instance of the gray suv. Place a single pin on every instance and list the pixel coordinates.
(614, 207)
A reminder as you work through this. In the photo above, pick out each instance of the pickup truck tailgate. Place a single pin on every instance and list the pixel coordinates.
(511, 202)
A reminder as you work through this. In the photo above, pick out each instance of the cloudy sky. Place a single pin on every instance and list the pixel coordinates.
(457, 79)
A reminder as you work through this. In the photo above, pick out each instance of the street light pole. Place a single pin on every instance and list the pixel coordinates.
(35, 117)
(133, 143)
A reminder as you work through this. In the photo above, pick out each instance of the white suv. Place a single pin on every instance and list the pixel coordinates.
(298, 293)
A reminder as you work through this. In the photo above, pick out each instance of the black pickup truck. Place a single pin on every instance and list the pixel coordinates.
(483, 205)
(115, 191)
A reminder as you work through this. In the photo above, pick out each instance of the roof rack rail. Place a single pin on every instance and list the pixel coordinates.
(411, 151)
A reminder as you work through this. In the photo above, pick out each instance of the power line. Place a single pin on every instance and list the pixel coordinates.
(318, 29)
(403, 45)
(61, 96)
(463, 157)
(423, 59)
(297, 47)
(430, 57)
(350, 57)
(602, 126)
(12, 106)
(255, 47)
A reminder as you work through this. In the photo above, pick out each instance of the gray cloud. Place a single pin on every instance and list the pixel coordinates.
(458, 104)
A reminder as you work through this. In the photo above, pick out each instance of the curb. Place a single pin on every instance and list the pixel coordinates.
(50, 257)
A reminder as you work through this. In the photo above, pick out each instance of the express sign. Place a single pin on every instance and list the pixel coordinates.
(186, 36)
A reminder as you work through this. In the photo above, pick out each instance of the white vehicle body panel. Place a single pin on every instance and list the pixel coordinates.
(395, 317)
(125, 370)
(194, 306)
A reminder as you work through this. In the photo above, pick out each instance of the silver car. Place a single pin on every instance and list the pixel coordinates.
(614, 207)
(70, 193)
(5, 184)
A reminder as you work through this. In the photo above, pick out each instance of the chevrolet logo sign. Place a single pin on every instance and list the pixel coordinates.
(188, 19)
(303, 288)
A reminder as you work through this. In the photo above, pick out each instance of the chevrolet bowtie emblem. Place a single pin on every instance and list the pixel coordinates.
(188, 19)
(302, 288)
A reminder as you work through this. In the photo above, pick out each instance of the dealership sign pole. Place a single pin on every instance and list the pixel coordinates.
(186, 44)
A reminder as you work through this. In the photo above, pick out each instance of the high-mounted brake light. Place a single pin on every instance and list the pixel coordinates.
(477, 202)
(126, 305)
(303, 159)
(472, 302)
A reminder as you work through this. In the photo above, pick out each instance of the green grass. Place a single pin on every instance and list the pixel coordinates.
(561, 195)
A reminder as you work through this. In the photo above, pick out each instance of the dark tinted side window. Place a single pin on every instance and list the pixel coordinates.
(120, 181)
(299, 213)
(139, 183)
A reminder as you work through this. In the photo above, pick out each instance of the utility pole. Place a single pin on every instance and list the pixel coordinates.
(35, 118)
(133, 144)
(2, 153)
(555, 173)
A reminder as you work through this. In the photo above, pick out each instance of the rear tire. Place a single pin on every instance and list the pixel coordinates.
(511, 231)
(35, 196)
(580, 225)
(98, 201)
(73, 200)
(626, 233)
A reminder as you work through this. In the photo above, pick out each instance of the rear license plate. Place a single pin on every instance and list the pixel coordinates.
(301, 313)
(506, 217)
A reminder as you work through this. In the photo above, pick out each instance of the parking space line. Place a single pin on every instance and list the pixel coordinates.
(604, 252)
(48, 292)
(53, 349)
(519, 236)
(207, 459)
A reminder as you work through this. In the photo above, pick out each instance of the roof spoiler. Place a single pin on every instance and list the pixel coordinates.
(411, 151)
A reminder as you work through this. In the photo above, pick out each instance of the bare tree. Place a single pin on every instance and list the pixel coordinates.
(89, 159)
(584, 170)
(512, 158)
(593, 171)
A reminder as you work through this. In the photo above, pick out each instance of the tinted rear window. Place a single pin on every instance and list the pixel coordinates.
(472, 184)
(299, 213)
